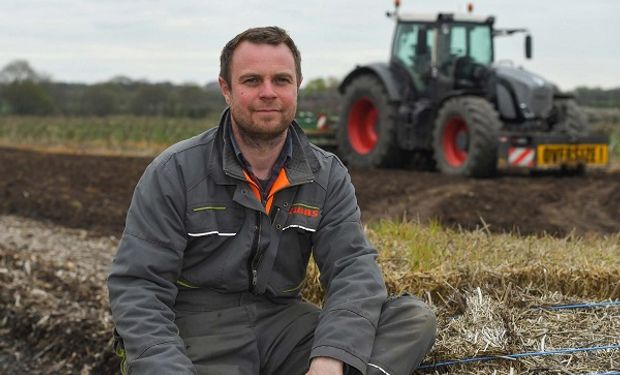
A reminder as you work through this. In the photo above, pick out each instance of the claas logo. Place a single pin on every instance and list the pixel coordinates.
(304, 209)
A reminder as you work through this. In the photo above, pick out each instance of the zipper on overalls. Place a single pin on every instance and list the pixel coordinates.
(256, 254)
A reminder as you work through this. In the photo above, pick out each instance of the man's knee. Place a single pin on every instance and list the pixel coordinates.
(405, 334)
(411, 315)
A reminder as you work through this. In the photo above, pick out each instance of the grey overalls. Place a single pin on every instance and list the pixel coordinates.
(207, 276)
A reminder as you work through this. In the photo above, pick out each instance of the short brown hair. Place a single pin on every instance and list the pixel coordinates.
(272, 35)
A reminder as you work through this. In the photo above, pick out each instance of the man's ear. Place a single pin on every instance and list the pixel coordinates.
(225, 90)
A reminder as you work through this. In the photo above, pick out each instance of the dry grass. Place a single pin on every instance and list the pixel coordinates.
(485, 289)
(114, 135)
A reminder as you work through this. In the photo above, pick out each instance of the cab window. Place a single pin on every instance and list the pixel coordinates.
(413, 47)
(473, 41)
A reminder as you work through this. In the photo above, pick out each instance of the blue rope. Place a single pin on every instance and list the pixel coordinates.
(580, 305)
(516, 356)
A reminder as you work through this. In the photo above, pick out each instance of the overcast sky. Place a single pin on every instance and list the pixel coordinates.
(576, 42)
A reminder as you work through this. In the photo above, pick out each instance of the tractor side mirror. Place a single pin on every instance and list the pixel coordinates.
(528, 46)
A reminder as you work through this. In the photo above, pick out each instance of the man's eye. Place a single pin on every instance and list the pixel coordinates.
(283, 80)
(251, 81)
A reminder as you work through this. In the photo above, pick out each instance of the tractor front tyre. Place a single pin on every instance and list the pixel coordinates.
(465, 137)
(367, 131)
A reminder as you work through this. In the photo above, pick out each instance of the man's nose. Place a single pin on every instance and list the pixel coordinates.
(267, 90)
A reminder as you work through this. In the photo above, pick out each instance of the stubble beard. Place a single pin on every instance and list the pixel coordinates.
(261, 136)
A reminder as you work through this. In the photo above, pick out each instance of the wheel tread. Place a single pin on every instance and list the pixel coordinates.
(483, 124)
(387, 152)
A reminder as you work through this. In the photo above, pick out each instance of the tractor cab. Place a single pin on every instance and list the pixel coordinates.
(443, 52)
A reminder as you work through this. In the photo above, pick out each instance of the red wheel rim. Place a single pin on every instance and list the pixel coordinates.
(362, 126)
(455, 141)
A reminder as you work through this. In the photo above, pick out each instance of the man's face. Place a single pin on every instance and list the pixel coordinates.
(262, 94)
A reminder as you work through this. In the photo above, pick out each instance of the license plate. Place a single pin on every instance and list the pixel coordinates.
(562, 154)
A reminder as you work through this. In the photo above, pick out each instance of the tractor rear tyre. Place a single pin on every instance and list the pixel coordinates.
(571, 119)
(465, 137)
(367, 130)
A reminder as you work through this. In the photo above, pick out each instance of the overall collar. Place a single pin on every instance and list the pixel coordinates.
(223, 163)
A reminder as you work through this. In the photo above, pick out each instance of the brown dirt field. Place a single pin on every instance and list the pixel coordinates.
(93, 192)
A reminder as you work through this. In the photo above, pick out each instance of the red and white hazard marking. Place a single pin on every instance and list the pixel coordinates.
(321, 122)
(521, 156)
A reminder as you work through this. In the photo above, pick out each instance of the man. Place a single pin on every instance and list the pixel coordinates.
(208, 273)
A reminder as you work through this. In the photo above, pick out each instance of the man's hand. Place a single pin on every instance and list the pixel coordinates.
(325, 366)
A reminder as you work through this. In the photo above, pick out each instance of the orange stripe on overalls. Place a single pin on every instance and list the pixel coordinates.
(253, 186)
(280, 183)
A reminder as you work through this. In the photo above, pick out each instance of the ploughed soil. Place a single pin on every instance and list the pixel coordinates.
(93, 192)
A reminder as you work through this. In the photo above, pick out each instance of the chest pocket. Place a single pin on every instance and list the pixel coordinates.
(213, 229)
(213, 220)
(303, 218)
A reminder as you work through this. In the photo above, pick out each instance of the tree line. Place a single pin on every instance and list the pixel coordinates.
(25, 91)
(597, 97)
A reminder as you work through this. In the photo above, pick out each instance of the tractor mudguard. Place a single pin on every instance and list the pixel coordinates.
(381, 71)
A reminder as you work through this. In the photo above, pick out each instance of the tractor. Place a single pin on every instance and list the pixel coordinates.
(441, 102)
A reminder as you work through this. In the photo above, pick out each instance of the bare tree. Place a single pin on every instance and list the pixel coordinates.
(20, 71)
